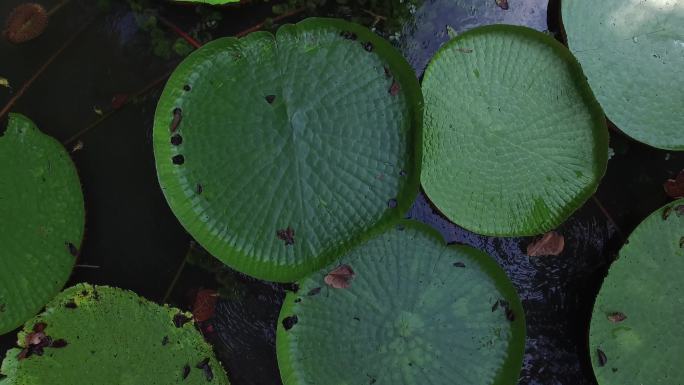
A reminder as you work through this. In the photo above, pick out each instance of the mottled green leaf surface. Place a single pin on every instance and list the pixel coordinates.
(416, 311)
(113, 337)
(41, 215)
(632, 52)
(514, 140)
(283, 150)
(637, 316)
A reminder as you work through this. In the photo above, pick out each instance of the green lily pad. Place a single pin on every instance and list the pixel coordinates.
(41, 206)
(278, 152)
(514, 141)
(632, 52)
(415, 311)
(635, 334)
(103, 335)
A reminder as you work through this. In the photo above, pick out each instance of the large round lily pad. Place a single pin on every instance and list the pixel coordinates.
(107, 336)
(41, 220)
(514, 140)
(415, 311)
(276, 152)
(636, 335)
(632, 52)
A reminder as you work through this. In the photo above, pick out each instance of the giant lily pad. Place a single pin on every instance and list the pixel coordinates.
(514, 140)
(636, 335)
(633, 54)
(276, 152)
(415, 311)
(102, 335)
(41, 220)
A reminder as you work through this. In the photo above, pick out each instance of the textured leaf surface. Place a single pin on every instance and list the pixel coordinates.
(417, 311)
(41, 214)
(514, 141)
(112, 337)
(637, 316)
(291, 146)
(632, 52)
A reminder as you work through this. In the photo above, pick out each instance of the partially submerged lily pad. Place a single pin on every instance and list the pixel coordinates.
(631, 52)
(41, 206)
(636, 335)
(277, 152)
(514, 141)
(102, 335)
(417, 311)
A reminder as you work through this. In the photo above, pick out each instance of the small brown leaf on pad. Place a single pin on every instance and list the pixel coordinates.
(616, 317)
(550, 243)
(340, 277)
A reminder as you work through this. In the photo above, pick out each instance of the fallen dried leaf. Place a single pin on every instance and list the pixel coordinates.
(674, 188)
(205, 304)
(503, 4)
(340, 278)
(551, 243)
(25, 22)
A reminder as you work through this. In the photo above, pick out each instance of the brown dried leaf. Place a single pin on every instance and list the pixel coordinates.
(25, 22)
(551, 243)
(340, 278)
(674, 188)
(503, 4)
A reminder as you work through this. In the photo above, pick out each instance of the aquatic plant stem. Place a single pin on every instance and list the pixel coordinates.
(179, 32)
(274, 20)
(149, 87)
(179, 272)
(40, 71)
(57, 7)
(609, 217)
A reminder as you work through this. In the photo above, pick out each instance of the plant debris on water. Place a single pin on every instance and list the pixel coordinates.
(674, 188)
(551, 243)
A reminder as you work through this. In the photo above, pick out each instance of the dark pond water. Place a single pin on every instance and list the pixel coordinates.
(102, 91)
